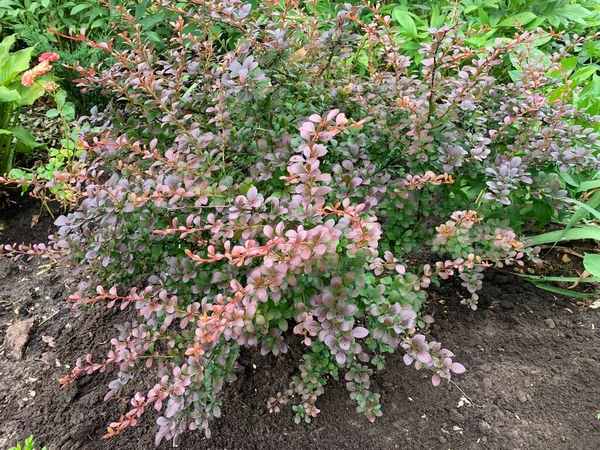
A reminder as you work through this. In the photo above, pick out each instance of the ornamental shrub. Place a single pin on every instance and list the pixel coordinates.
(256, 186)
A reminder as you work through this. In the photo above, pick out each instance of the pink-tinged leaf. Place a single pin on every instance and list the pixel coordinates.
(424, 357)
(172, 408)
(435, 380)
(330, 341)
(252, 194)
(458, 368)
(331, 114)
(360, 332)
(60, 221)
(320, 249)
(340, 357)
(344, 343)
(408, 360)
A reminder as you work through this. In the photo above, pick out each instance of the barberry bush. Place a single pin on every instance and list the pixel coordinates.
(259, 180)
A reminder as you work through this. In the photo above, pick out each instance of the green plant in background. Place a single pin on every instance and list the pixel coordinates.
(59, 159)
(48, 23)
(31, 22)
(29, 445)
(20, 86)
(410, 22)
(581, 223)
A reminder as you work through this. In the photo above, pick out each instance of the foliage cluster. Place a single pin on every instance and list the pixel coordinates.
(20, 86)
(264, 172)
(29, 444)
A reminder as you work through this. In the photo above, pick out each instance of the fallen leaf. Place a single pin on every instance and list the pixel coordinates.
(595, 305)
(34, 220)
(49, 340)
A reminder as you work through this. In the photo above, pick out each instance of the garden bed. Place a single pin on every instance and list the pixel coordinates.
(533, 361)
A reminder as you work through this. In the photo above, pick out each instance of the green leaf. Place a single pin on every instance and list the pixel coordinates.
(544, 279)
(569, 63)
(52, 113)
(405, 21)
(592, 203)
(68, 111)
(573, 234)
(592, 264)
(542, 210)
(78, 8)
(565, 292)
(586, 208)
(568, 179)
(25, 137)
(6, 45)
(521, 19)
(588, 185)
(8, 95)
(30, 94)
(14, 64)
(584, 73)
(141, 9)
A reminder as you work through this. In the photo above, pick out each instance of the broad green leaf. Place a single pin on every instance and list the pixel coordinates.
(594, 110)
(588, 185)
(483, 16)
(68, 111)
(30, 94)
(14, 64)
(141, 9)
(52, 113)
(405, 21)
(6, 45)
(569, 63)
(8, 95)
(25, 137)
(584, 73)
(78, 8)
(591, 263)
(436, 20)
(521, 19)
(542, 41)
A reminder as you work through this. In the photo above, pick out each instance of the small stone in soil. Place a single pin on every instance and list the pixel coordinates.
(456, 417)
(17, 336)
(487, 383)
(484, 427)
(522, 397)
(550, 323)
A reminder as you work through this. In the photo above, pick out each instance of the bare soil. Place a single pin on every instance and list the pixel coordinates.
(533, 363)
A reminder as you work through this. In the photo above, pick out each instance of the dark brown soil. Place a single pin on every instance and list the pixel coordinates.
(533, 362)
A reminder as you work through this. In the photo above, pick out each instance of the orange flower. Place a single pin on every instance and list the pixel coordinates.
(49, 56)
(50, 86)
(41, 69)
(28, 78)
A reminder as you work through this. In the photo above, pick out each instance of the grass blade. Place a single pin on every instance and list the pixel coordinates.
(565, 292)
(572, 234)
